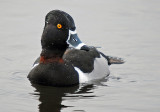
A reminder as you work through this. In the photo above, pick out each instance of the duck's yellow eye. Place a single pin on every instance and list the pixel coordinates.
(59, 26)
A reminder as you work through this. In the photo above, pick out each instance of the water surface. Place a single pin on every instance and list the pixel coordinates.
(123, 28)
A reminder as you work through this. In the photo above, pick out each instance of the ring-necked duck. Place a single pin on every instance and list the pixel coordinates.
(65, 60)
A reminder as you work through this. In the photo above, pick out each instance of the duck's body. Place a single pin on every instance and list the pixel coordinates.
(60, 65)
(76, 66)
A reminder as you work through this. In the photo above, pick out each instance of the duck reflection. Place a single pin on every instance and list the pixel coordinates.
(51, 97)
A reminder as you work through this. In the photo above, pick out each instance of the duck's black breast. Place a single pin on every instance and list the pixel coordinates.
(54, 74)
(64, 74)
(84, 60)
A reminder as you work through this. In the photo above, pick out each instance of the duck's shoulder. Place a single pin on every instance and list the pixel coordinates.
(84, 60)
(81, 54)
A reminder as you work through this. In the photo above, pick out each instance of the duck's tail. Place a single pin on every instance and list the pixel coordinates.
(113, 60)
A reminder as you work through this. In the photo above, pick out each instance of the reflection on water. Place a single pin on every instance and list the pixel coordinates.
(51, 97)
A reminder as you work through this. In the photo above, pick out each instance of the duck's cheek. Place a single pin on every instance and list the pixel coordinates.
(54, 35)
(50, 31)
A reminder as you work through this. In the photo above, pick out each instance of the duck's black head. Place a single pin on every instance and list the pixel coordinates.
(60, 32)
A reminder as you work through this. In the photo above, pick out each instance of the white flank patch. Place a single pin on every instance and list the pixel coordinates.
(82, 76)
(101, 70)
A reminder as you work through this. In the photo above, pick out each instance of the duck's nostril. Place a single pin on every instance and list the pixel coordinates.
(75, 39)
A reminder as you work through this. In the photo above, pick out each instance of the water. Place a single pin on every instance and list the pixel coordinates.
(124, 28)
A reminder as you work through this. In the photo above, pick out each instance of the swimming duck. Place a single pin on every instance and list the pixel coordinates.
(65, 60)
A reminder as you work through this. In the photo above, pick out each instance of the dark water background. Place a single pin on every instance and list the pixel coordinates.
(126, 28)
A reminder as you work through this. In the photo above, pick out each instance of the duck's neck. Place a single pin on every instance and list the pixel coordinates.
(51, 56)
